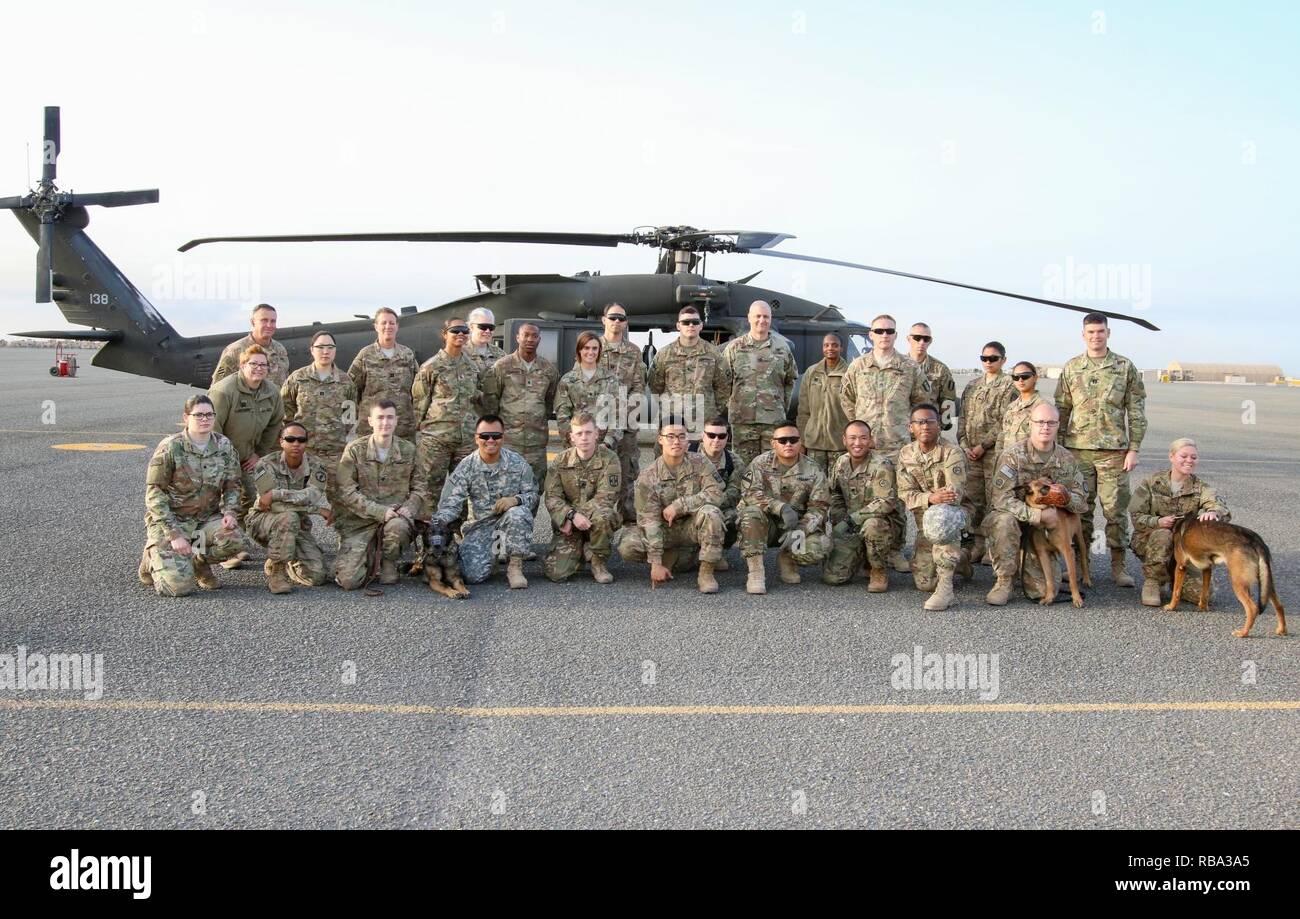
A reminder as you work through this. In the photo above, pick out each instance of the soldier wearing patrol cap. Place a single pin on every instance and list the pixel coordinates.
(582, 493)
(291, 486)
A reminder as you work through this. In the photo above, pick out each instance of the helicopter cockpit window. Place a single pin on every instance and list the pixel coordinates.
(550, 346)
(861, 342)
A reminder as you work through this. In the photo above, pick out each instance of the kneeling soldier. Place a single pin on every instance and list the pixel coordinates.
(380, 486)
(785, 503)
(582, 495)
(863, 495)
(498, 488)
(291, 486)
(713, 447)
(677, 499)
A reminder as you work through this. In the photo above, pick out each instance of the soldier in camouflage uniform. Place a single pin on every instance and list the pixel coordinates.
(943, 389)
(623, 359)
(1098, 393)
(731, 469)
(589, 388)
(380, 485)
(785, 502)
(324, 399)
(677, 498)
(882, 387)
(1037, 456)
(821, 414)
(984, 402)
(291, 486)
(495, 489)
(1015, 421)
(1156, 506)
(521, 388)
(482, 348)
(863, 494)
(264, 323)
(763, 376)
(582, 491)
(385, 370)
(446, 401)
(931, 472)
(191, 500)
(689, 375)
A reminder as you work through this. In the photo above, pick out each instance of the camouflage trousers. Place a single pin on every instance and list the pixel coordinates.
(352, 564)
(749, 440)
(488, 538)
(629, 462)
(979, 482)
(1156, 550)
(897, 517)
(850, 548)
(825, 459)
(287, 537)
(1004, 534)
(1104, 477)
(438, 455)
(703, 529)
(173, 573)
(535, 457)
(930, 558)
(758, 531)
(569, 552)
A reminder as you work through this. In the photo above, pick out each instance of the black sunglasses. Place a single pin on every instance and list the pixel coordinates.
(787, 440)
(489, 435)
(1018, 377)
(617, 317)
(885, 331)
(294, 440)
(485, 325)
(990, 358)
(714, 435)
(690, 322)
(459, 330)
(925, 338)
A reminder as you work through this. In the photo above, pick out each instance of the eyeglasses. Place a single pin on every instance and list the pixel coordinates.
(489, 435)
(294, 440)
(925, 422)
(203, 416)
(990, 358)
(459, 330)
(924, 338)
(484, 325)
(714, 435)
(885, 331)
(673, 436)
(690, 322)
(324, 347)
(794, 439)
(1020, 377)
(258, 365)
(617, 317)
(1045, 424)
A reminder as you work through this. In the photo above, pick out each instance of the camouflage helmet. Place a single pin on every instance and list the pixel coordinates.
(943, 523)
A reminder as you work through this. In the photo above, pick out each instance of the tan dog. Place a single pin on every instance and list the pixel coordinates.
(442, 563)
(1202, 543)
(1043, 493)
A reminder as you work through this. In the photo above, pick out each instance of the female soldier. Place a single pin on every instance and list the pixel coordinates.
(1015, 423)
(589, 387)
(324, 399)
(385, 370)
(191, 500)
(1156, 506)
(983, 403)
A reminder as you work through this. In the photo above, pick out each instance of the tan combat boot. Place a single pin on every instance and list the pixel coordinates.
(788, 568)
(1150, 592)
(599, 572)
(898, 562)
(756, 583)
(295, 574)
(233, 563)
(705, 579)
(1000, 595)
(277, 578)
(204, 577)
(878, 582)
(515, 573)
(388, 572)
(942, 597)
(1121, 577)
(145, 574)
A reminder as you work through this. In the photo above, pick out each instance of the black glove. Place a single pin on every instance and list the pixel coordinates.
(789, 516)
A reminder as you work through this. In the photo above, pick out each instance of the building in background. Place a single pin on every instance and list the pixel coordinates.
(1183, 372)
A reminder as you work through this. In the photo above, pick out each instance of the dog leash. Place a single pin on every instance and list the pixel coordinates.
(375, 552)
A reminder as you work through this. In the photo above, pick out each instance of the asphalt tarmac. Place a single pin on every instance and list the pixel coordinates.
(578, 705)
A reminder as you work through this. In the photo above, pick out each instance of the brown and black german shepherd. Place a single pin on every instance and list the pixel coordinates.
(1042, 493)
(1202, 543)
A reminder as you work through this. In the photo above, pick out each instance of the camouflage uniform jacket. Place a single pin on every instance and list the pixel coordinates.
(943, 389)
(522, 397)
(883, 396)
(587, 486)
(475, 484)
(599, 395)
(276, 356)
(694, 483)
(733, 482)
(623, 360)
(984, 404)
(858, 494)
(1096, 397)
(378, 378)
(921, 473)
(487, 357)
(763, 375)
(327, 407)
(249, 418)
(301, 489)
(821, 415)
(1015, 421)
(369, 487)
(770, 486)
(1020, 464)
(187, 485)
(698, 371)
(445, 397)
(1155, 498)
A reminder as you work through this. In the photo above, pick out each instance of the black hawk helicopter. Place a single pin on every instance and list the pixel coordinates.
(91, 291)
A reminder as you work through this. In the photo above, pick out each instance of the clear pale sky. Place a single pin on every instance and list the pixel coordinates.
(1015, 145)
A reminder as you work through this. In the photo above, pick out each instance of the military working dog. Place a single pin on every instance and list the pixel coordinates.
(1202, 543)
(1044, 493)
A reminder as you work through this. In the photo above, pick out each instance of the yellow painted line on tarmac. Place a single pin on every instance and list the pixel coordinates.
(599, 711)
(97, 448)
(64, 432)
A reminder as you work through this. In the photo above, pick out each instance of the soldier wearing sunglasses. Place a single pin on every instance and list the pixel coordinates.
(712, 445)
(943, 389)
(690, 372)
(447, 403)
(1015, 422)
(623, 359)
(984, 404)
(291, 485)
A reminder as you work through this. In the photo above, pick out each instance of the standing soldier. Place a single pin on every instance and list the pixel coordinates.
(691, 373)
(882, 387)
(495, 489)
(264, 323)
(931, 472)
(984, 403)
(324, 399)
(191, 500)
(521, 387)
(446, 402)
(482, 348)
(821, 414)
(785, 503)
(943, 390)
(763, 377)
(291, 486)
(863, 495)
(1098, 393)
(731, 469)
(623, 359)
(1015, 421)
(582, 491)
(589, 388)
(385, 370)
(677, 498)
(380, 486)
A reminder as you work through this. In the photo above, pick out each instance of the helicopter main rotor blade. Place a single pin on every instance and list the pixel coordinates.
(558, 239)
(12, 204)
(920, 277)
(43, 293)
(114, 198)
(50, 152)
